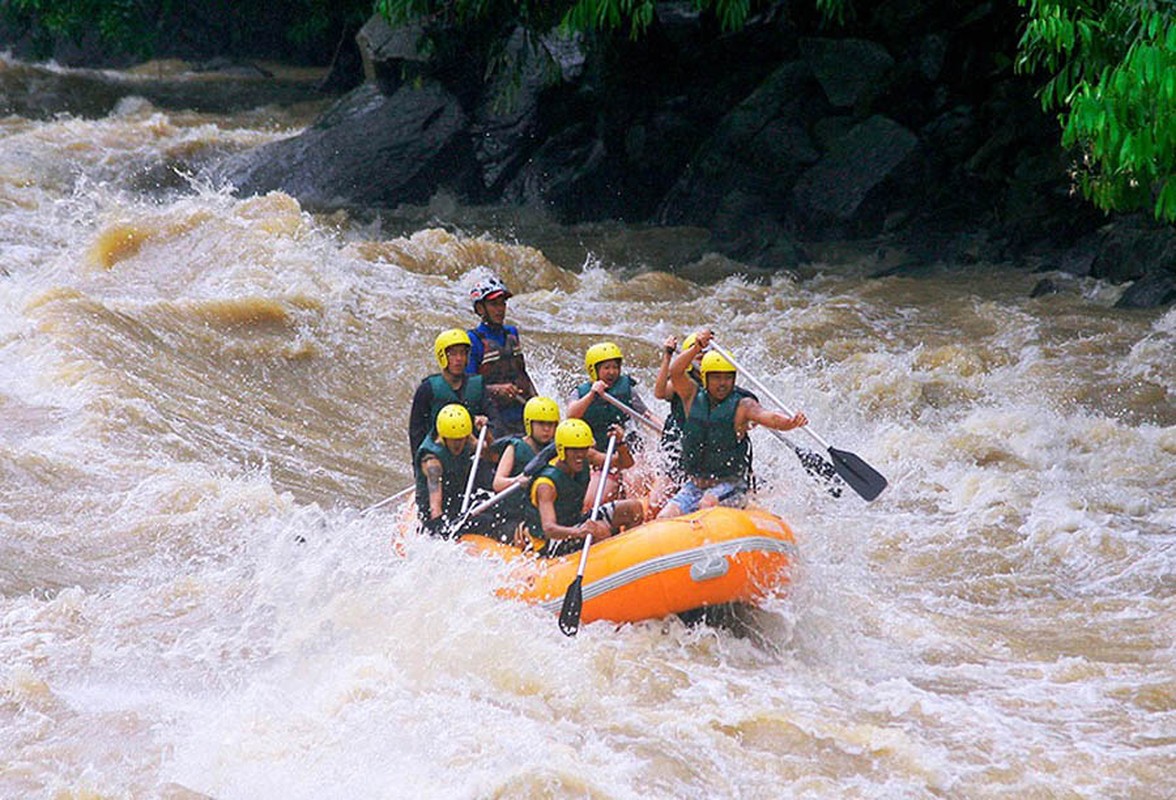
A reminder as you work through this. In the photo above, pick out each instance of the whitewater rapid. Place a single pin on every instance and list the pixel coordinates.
(200, 394)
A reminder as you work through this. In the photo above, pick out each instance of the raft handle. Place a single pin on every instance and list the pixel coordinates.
(708, 570)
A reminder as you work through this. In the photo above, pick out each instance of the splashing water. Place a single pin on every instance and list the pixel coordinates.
(200, 393)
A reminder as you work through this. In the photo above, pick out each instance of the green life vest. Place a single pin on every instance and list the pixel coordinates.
(472, 396)
(516, 507)
(569, 492)
(673, 430)
(710, 448)
(674, 424)
(455, 472)
(600, 415)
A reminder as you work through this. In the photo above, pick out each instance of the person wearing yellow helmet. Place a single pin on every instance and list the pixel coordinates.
(603, 362)
(540, 418)
(716, 451)
(497, 355)
(441, 467)
(560, 492)
(452, 384)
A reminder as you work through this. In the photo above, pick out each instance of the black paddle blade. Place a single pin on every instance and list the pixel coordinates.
(816, 465)
(539, 461)
(862, 478)
(573, 604)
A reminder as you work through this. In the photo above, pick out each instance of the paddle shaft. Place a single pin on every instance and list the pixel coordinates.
(402, 493)
(864, 479)
(465, 500)
(533, 466)
(767, 392)
(573, 603)
(632, 412)
(608, 454)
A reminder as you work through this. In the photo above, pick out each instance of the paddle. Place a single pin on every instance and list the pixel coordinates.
(533, 466)
(814, 464)
(402, 493)
(862, 478)
(465, 500)
(644, 420)
(573, 603)
(812, 461)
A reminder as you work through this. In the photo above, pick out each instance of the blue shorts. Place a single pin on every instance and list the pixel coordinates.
(728, 493)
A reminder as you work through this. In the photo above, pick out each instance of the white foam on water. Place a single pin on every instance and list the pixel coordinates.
(200, 393)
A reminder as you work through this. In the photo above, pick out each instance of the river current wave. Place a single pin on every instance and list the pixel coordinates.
(200, 394)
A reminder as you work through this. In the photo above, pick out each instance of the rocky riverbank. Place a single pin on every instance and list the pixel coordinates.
(906, 130)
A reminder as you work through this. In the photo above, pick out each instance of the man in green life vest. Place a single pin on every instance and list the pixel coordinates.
(716, 452)
(560, 492)
(540, 417)
(450, 385)
(442, 468)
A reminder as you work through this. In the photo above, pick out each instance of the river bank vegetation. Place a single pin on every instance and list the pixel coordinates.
(1039, 134)
(1107, 68)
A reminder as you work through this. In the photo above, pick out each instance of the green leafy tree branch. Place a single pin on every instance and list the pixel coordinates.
(1111, 67)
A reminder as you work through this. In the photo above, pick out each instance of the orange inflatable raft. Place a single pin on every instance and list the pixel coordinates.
(711, 557)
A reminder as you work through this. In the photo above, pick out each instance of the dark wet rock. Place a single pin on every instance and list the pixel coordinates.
(1044, 287)
(932, 54)
(1153, 290)
(507, 122)
(346, 71)
(38, 93)
(758, 149)
(848, 70)
(230, 66)
(1078, 259)
(391, 56)
(1134, 247)
(419, 146)
(563, 173)
(832, 191)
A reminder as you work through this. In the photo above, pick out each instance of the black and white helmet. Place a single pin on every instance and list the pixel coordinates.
(488, 289)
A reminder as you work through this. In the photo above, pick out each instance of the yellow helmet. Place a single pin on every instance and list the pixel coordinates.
(453, 422)
(446, 340)
(539, 409)
(688, 342)
(572, 433)
(714, 362)
(601, 351)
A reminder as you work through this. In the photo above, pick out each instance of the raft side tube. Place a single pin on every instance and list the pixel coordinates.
(711, 557)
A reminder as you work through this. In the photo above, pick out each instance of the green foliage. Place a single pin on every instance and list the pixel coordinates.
(142, 28)
(1112, 78)
(127, 23)
(316, 18)
(573, 16)
(835, 11)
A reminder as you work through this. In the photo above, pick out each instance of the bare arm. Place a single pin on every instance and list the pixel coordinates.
(431, 466)
(683, 386)
(577, 406)
(502, 476)
(750, 411)
(545, 500)
(661, 384)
